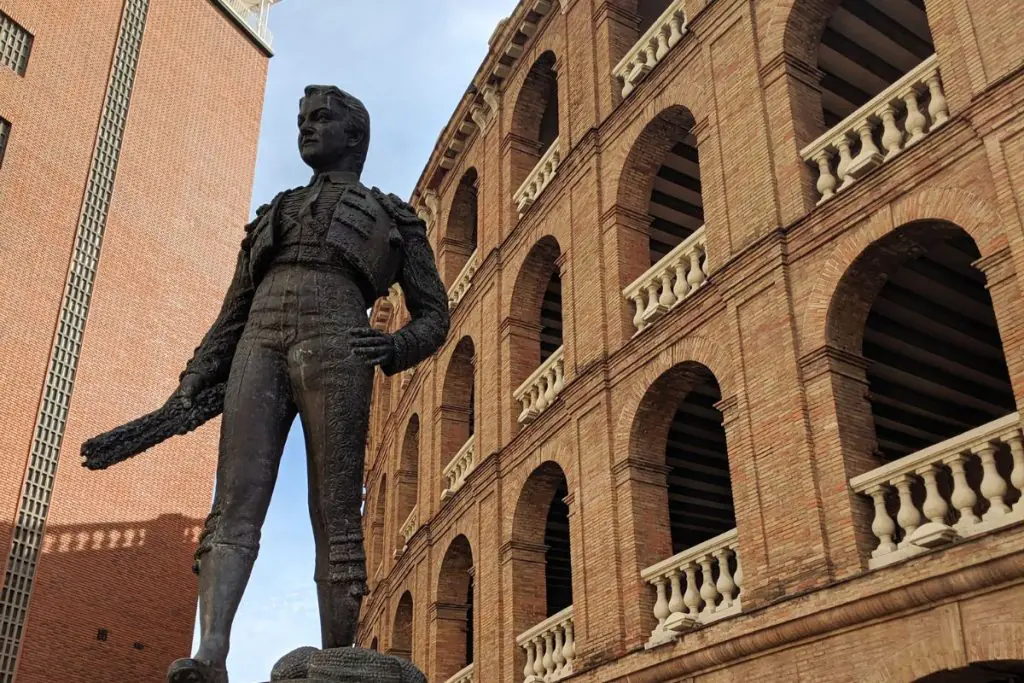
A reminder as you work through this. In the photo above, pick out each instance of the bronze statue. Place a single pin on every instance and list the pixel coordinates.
(293, 338)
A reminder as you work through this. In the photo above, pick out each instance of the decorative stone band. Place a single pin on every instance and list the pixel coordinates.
(662, 36)
(254, 16)
(409, 526)
(542, 387)
(680, 273)
(539, 178)
(456, 471)
(695, 587)
(935, 491)
(897, 118)
(550, 648)
(463, 676)
(463, 281)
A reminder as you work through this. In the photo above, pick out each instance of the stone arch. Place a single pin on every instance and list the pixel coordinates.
(453, 609)
(458, 397)
(461, 232)
(796, 26)
(946, 204)
(536, 307)
(407, 488)
(402, 628)
(534, 124)
(999, 671)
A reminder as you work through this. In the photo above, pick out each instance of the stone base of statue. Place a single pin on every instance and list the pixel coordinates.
(344, 665)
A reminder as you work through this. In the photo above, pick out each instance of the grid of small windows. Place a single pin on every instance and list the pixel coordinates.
(15, 45)
(5, 133)
(50, 422)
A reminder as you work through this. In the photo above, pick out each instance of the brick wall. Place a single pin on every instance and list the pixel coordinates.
(793, 382)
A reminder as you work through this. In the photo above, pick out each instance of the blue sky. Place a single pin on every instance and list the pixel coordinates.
(409, 62)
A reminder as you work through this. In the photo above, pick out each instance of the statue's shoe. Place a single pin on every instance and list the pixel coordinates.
(196, 671)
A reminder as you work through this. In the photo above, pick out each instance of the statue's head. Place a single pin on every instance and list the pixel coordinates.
(334, 129)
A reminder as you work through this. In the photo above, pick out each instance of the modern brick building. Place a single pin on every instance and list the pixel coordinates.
(737, 352)
(128, 132)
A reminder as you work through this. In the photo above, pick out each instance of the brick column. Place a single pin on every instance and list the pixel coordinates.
(642, 496)
(447, 628)
(626, 240)
(1003, 284)
(522, 571)
(520, 342)
(615, 32)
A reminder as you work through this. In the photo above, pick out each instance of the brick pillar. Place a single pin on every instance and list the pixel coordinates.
(615, 32)
(626, 240)
(792, 95)
(452, 256)
(1003, 284)
(522, 571)
(520, 343)
(843, 432)
(447, 628)
(642, 497)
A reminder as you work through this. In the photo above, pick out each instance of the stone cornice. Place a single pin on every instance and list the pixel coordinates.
(829, 358)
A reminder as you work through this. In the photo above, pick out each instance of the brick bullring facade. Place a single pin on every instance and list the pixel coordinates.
(128, 132)
(736, 356)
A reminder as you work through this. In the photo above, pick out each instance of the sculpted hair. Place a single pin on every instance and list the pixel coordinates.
(357, 115)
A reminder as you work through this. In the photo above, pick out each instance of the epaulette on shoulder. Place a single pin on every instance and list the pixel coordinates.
(401, 211)
(263, 209)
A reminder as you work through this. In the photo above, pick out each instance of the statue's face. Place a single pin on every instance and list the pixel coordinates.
(324, 138)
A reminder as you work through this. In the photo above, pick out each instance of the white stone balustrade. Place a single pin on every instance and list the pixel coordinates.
(539, 178)
(550, 649)
(409, 526)
(697, 586)
(896, 119)
(676, 276)
(255, 14)
(542, 387)
(663, 35)
(463, 676)
(463, 282)
(954, 489)
(456, 471)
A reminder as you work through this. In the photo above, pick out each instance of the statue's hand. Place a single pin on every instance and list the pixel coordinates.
(373, 347)
(190, 386)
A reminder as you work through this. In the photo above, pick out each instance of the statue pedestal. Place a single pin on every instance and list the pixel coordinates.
(344, 665)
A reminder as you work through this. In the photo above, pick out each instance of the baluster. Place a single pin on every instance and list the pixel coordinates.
(627, 85)
(661, 609)
(963, 497)
(826, 181)
(916, 121)
(638, 303)
(1017, 475)
(737, 576)
(675, 29)
(541, 401)
(676, 603)
(938, 108)
(908, 517)
(528, 669)
(681, 287)
(652, 300)
(549, 656)
(538, 662)
(845, 159)
(668, 297)
(557, 656)
(695, 277)
(663, 46)
(882, 526)
(869, 154)
(993, 486)
(559, 377)
(569, 650)
(692, 598)
(549, 386)
(725, 583)
(935, 507)
(892, 137)
(708, 591)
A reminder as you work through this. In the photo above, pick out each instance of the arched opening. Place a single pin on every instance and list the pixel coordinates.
(373, 644)
(918, 311)
(1004, 671)
(535, 117)
(536, 338)
(401, 636)
(463, 222)
(377, 530)
(542, 522)
(866, 47)
(454, 609)
(457, 411)
(408, 478)
(648, 12)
